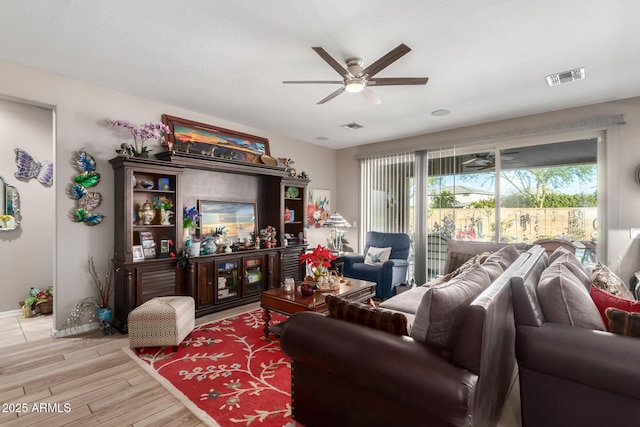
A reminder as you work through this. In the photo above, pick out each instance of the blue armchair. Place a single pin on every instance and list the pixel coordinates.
(391, 273)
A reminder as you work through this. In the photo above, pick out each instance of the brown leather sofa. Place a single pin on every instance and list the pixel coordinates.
(344, 374)
(570, 375)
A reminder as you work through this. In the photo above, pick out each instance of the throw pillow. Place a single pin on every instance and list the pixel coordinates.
(377, 256)
(604, 300)
(606, 280)
(572, 263)
(565, 300)
(505, 256)
(443, 308)
(624, 323)
(394, 323)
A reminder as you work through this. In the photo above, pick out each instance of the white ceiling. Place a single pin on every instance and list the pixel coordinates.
(486, 59)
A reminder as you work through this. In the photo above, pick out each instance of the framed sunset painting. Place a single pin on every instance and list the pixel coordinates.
(202, 139)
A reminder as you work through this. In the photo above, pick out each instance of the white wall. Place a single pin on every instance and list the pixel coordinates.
(26, 254)
(81, 110)
(623, 252)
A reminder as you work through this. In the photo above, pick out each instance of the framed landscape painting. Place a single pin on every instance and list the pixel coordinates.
(199, 138)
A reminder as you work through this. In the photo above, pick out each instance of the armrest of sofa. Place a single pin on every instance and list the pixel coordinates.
(349, 260)
(596, 359)
(394, 366)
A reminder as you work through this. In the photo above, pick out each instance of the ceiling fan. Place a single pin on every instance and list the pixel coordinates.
(484, 161)
(356, 79)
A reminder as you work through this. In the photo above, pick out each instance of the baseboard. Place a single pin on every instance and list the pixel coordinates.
(12, 313)
(87, 327)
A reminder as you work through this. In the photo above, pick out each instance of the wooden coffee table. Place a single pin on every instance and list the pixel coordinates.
(289, 303)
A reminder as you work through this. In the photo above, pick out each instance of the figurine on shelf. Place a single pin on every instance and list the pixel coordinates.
(303, 175)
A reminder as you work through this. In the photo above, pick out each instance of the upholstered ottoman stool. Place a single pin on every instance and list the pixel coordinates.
(162, 321)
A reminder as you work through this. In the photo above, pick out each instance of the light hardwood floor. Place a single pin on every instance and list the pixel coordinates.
(101, 385)
(98, 383)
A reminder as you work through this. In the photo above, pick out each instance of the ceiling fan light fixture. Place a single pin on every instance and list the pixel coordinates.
(354, 85)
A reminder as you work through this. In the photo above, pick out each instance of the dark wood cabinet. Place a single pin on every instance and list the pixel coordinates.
(216, 281)
(293, 193)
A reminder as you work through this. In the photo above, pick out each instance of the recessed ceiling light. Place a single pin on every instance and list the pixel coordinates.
(322, 138)
(352, 126)
(565, 77)
(439, 113)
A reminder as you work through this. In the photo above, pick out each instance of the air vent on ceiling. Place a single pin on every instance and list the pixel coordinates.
(565, 77)
(352, 126)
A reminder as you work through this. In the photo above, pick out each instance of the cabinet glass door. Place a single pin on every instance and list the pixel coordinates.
(227, 280)
(254, 275)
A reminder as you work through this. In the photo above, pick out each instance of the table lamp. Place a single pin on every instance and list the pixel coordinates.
(337, 222)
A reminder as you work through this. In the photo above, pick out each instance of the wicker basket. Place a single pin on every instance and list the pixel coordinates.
(46, 307)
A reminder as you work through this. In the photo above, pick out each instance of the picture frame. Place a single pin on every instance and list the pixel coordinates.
(148, 243)
(138, 253)
(164, 184)
(200, 138)
(239, 219)
(165, 248)
(318, 207)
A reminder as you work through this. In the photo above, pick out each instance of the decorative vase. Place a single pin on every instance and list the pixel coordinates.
(146, 213)
(165, 216)
(194, 249)
(319, 273)
(105, 314)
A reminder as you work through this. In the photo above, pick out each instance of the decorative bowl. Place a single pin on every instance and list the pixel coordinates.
(147, 185)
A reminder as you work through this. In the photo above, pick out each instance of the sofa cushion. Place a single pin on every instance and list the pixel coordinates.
(574, 265)
(444, 307)
(493, 268)
(377, 256)
(406, 302)
(604, 300)
(623, 322)
(560, 250)
(565, 300)
(607, 280)
(361, 314)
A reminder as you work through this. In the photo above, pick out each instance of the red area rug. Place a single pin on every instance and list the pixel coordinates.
(227, 373)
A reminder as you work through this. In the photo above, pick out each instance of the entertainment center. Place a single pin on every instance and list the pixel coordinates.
(216, 281)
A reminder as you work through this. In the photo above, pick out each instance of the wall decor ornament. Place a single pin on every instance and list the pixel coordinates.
(86, 200)
(29, 167)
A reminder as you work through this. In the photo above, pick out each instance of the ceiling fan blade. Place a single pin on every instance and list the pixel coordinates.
(332, 95)
(371, 97)
(332, 62)
(386, 60)
(313, 81)
(392, 81)
(471, 160)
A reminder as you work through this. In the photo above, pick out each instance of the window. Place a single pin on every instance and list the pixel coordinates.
(520, 193)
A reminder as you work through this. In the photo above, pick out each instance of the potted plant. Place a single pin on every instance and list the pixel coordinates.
(319, 260)
(105, 289)
(142, 132)
(38, 299)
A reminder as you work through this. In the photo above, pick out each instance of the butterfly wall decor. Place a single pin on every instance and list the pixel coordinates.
(87, 200)
(29, 167)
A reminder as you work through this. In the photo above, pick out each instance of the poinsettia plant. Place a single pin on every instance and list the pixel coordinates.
(318, 259)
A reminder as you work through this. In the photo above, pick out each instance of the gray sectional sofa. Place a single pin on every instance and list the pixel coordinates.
(454, 369)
